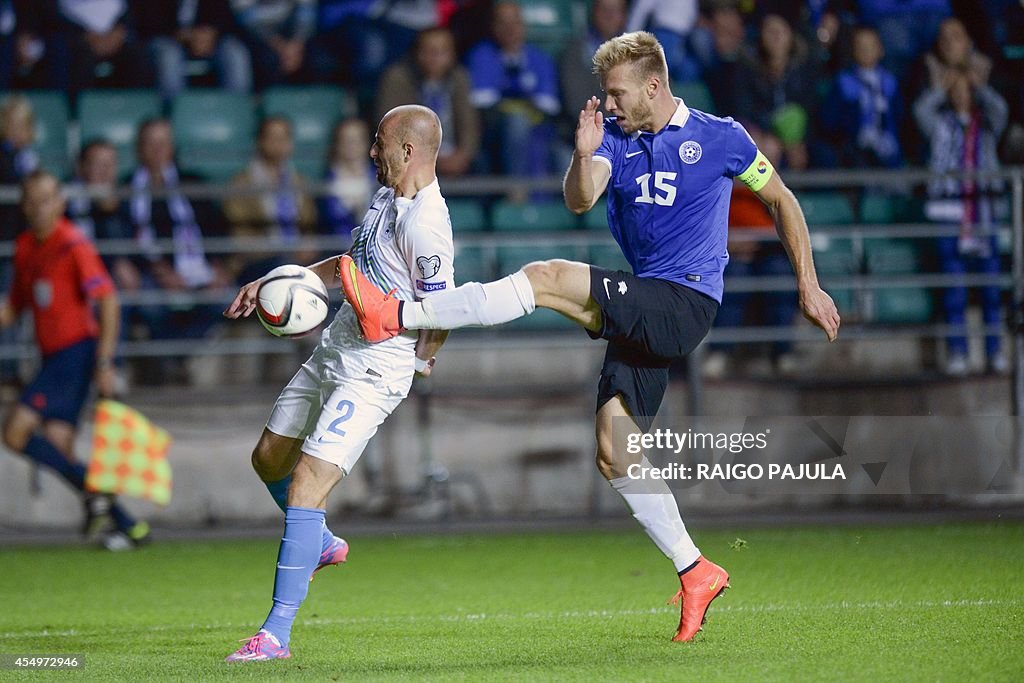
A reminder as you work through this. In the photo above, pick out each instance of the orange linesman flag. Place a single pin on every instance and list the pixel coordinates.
(129, 454)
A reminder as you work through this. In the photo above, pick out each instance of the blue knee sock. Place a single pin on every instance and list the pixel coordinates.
(296, 560)
(279, 492)
(122, 519)
(45, 453)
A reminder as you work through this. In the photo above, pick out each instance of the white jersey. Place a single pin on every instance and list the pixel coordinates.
(403, 245)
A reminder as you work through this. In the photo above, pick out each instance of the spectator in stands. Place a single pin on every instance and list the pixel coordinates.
(516, 87)
(17, 161)
(186, 35)
(754, 251)
(273, 203)
(863, 112)
(674, 23)
(721, 72)
(963, 121)
(277, 33)
(434, 78)
(776, 92)
(351, 178)
(17, 158)
(906, 27)
(171, 216)
(94, 207)
(95, 46)
(576, 68)
(25, 27)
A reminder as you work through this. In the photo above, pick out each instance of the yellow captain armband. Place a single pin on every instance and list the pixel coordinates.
(758, 173)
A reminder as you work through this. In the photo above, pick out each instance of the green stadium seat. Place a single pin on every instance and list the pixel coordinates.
(826, 208)
(695, 94)
(597, 218)
(534, 216)
(552, 24)
(876, 208)
(214, 132)
(115, 115)
(474, 264)
(467, 215)
(51, 114)
(890, 256)
(313, 112)
(904, 305)
(835, 257)
(609, 256)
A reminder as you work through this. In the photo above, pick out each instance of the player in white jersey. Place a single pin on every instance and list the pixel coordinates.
(334, 404)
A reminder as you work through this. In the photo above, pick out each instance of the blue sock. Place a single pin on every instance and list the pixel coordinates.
(279, 492)
(45, 453)
(122, 519)
(296, 560)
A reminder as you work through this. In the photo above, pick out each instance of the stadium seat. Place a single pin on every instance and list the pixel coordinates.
(597, 218)
(695, 94)
(474, 264)
(467, 215)
(214, 131)
(876, 208)
(51, 112)
(609, 256)
(835, 257)
(313, 112)
(900, 304)
(534, 216)
(115, 115)
(826, 208)
(552, 24)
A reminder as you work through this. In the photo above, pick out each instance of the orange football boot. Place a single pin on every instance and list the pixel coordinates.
(700, 586)
(377, 312)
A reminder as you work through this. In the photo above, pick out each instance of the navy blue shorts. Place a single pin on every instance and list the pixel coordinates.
(61, 388)
(648, 323)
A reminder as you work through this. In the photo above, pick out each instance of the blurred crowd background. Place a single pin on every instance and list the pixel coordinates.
(138, 102)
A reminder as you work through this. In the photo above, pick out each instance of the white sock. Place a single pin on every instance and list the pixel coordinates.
(473, 303)
(654, 506)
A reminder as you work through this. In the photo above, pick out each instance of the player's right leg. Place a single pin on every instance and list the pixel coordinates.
(562, 286)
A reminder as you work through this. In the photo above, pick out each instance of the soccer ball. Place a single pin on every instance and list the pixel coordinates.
(291, 301)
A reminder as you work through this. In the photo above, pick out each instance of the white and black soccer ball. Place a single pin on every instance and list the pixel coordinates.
(291, 301)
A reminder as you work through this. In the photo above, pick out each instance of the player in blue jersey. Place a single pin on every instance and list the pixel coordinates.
(668, 171)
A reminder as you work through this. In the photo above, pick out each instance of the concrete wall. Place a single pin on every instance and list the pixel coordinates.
(512, 426)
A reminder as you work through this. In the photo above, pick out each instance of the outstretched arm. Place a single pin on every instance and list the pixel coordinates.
(245, 301)
(816, 305)
(585, 180)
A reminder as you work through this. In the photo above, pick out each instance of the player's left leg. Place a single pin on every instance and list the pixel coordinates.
(654, 507)
(562, 286)
(348, 419)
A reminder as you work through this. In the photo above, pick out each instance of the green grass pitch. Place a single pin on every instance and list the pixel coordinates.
(916, 603)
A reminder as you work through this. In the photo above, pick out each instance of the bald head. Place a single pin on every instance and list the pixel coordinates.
(415, 125)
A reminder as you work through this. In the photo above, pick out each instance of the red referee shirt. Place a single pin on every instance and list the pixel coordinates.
(58, 279)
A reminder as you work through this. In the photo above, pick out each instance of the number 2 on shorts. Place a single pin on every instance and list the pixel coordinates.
(347, 409)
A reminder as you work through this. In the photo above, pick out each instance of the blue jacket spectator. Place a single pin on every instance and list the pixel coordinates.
(907, 27)
(350, 178)
(863, 112)
(516, 87)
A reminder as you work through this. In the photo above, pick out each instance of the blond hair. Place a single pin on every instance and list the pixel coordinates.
(639, 48)
(14, 107)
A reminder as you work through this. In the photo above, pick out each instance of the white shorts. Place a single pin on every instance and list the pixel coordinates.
(336, 416)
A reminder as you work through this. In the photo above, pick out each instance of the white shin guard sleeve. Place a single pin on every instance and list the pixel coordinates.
(654, 506)
(473, 303)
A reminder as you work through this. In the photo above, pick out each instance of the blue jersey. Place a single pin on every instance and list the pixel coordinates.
(668, 195)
